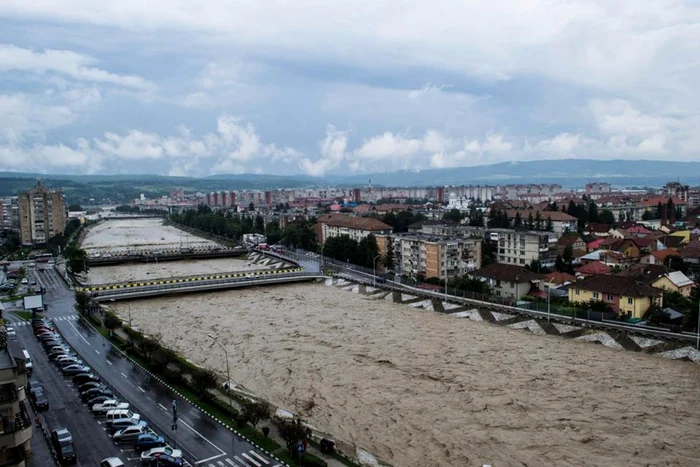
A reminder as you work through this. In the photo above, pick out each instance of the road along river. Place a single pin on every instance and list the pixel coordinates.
(419, 388)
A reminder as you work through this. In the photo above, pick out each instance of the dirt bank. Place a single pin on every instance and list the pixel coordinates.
(424, 389)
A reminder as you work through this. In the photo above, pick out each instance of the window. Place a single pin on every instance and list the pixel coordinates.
(630, 301)
(596, 295)
(578, 291)
(522, 252)
(498, 293)
(609, 297)
(498, 283)
(522, 260)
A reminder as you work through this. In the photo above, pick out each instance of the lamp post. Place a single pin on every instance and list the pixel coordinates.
(228, 374)
(549, 291)
(374, 270)
(697, 342)
(322, 265)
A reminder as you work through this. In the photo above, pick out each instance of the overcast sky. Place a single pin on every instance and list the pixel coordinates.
(197, 87)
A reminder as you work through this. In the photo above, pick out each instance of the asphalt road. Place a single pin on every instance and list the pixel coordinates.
(203, 441)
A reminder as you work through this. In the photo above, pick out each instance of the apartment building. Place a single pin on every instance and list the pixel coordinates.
(561, 221)
(357, 228)
(524, 247)
(9, 213)
(42, 214)
(432, 255)
(15, 424)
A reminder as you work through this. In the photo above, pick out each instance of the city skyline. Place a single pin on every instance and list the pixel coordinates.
(355, 88)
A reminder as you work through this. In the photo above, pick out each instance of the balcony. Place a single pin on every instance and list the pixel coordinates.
(17, 430)
(8, 393)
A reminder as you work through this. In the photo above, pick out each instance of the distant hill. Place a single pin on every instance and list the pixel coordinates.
(570, 173)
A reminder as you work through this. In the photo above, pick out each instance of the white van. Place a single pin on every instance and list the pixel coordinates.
(121, 414)
(28, 363)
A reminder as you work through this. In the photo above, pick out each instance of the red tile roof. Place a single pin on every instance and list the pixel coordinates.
(554, 215)
(655, 200)
(559, 278)
(594, 268)
(361, 223)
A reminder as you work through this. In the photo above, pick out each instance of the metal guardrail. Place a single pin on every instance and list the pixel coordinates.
(212, 284)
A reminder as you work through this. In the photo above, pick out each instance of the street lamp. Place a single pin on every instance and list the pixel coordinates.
(228, 374)
(374, 269)
(697, 343)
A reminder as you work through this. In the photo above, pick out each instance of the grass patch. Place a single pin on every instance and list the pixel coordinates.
(25, 315)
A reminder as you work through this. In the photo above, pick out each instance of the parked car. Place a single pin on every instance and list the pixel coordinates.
(68, 362)
(62, 442)
(130, 433)
(148, 441)
(98, 400)
(165, 460)
(94, 392)
(109, 404)
(89, 385)
(60, 436)
(11, 333)
(63, 359)
(74, 369)
(112, 462)
(148, 456)
(82, 378)
(25, 281)
(66, 453)
(34, 387)
(40, 400)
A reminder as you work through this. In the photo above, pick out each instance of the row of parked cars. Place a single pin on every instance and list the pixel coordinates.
(124, 425)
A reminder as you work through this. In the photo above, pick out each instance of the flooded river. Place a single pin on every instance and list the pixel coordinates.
(423, 389)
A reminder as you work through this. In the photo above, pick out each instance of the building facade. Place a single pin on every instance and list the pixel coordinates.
(625, 295)
(15, 424)
(357, 228)
(523, 247)
(432, 255)
(42, 214)
(9, 213)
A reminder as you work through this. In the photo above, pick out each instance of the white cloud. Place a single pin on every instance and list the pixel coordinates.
(562, 145)
(136, 145)
(333, 151)
(217, 75)
(65, 62)
(197, 100)
(427, 89)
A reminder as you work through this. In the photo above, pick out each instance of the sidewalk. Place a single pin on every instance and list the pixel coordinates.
(274, 435)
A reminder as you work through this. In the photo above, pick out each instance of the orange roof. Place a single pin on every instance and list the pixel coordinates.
(655, 200)
(595, 267)
(661, 255)
(559, 278)
(361, 223)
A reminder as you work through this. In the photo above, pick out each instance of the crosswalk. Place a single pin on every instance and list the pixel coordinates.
(19, 324)
(245, 459)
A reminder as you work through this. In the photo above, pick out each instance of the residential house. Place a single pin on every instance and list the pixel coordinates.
(625, 295)
(555, 280)
(674, 281)
(524, 247)
(561, 221)
(609, 258)
(593, 243)
(673, 241)
(598, 230)
(573, 240)
(592, 268)
(645, 273)
(658, 257)
(509, 281)
(357, 228)
(691, 254)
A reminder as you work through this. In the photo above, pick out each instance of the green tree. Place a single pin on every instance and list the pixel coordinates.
(549, 225)
(204, 380)
(559, 264)
(676, 263)
(670, 208)
(367, 251)
(273, 232)
(112, 321)
(453, 214)
(606, 217)
(517, 222)
(690, 317)
(655, 315)
(530, 223)
(82, 302)
(77, 259)
(647, 216)
(388, 259)
(259, 224)
(593, 212)
(75, 207)
(292, 432)
(538, 221)
(659, 210)
(255, 412)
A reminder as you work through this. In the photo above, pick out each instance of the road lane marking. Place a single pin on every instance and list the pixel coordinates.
(163, 407)
(125, 376)
(81, 336)
(258, 456)
(240, 460)
(141, 389)
(251, 460)
(221, 463)
(97, 351)
(109, 362)
(209, 458)
(223, 453)
(230, 462)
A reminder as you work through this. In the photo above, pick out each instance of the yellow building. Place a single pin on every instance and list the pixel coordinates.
(674, 282)
(625, 295)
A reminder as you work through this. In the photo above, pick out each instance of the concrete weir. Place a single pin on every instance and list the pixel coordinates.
(610, 339)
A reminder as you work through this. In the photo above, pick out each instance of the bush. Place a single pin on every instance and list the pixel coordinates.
(309, 460)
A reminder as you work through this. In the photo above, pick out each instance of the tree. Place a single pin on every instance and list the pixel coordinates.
(77, 259)
(568, 258)
(273, 232)
(203, 380)
(82, 302)
(75, 207)
(530, 224)
(453, 214)
(251, 207)
(593, 212)
(367, 251)
(690, 317)
(559, 264)
(647, 216)
(388, 259)
(670, 208)
(255, 411)
(659, 210)
(259, 224)
(112, 321)
(675, 263)
(606, 217)
(549, 225)
(517, 222)
(538, 221)
(292, 432)
(655, 315)
(598, 305)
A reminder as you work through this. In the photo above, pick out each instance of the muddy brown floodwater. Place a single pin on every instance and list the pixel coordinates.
(418, 388)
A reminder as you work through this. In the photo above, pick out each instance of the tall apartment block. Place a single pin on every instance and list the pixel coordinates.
(15, 424)
(42, 214)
